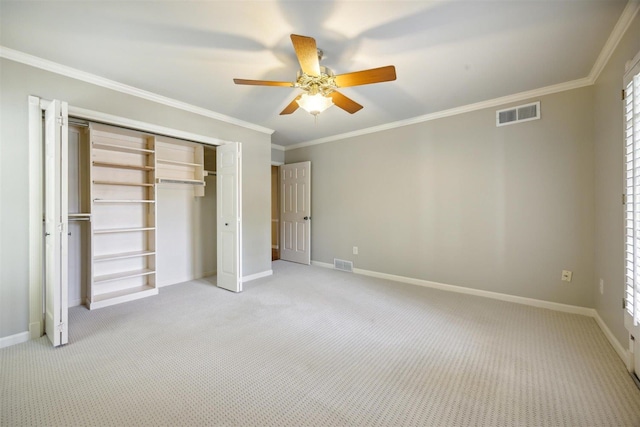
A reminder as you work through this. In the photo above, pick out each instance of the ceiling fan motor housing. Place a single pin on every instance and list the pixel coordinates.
(324, 84)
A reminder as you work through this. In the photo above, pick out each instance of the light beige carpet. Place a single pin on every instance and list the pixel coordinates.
(316, 347)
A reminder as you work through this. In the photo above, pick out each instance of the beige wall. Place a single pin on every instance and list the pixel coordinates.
(462, 202)
(17, 82)
(609, 162)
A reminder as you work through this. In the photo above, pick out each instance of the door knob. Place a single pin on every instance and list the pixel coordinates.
(306, 218)
(226, 223)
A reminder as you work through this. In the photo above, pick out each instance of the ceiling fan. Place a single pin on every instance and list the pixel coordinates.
(319, 83)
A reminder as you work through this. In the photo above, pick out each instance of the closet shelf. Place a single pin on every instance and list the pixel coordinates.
(123, 255)
(179, 181)
(178, 163)
(122, 230)
(122, 201)
(121, 148)
(116, 297)
(122, 166)
(122, 275)
(129, 184)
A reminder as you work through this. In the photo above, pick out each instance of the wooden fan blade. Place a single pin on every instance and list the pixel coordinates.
(347, 104)
(365, 77)
(261, 83)
(293, 106)
(307, 53)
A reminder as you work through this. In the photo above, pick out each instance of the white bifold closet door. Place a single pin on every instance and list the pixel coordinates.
(56, 223)
(228, 172)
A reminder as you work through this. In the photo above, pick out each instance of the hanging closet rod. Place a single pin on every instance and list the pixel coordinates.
(79, 217)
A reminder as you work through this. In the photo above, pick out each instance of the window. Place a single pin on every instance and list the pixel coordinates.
(632, 189)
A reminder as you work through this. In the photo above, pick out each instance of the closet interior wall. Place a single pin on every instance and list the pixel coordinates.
(79, 233)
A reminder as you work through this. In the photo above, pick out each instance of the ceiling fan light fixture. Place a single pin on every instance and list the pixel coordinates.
(314, 104)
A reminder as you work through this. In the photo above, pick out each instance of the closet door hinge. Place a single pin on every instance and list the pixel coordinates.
(60, 327)
(61, 121)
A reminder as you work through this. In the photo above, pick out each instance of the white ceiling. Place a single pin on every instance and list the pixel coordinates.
(447, 53)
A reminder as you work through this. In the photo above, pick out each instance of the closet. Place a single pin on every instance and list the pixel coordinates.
(141, 213)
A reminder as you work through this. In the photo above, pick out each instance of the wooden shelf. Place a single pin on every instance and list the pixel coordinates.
(122, 201)
(123, 255)
(122, 166)
(122, 230)
(128, 184)
(116, 297)
(179, 181)
(178, 163)
(122, 275)
(121, 148)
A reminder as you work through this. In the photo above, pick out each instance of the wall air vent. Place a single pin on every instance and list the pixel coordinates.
(340, 264)
(522, 113)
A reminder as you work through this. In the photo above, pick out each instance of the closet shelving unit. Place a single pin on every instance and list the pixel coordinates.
(123, 212)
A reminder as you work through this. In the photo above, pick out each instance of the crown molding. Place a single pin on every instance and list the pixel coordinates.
(84, 76)
(547, 90)
(626, 18)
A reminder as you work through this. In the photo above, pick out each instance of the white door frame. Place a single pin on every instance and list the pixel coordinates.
(36, 106)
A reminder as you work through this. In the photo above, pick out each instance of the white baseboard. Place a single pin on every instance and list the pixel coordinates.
(624, 354)
(566, 308)
(321, 264)
(470, 291)
(188, 279)
(14, 339)
(256, 276)
(36, 329)
(75, 302)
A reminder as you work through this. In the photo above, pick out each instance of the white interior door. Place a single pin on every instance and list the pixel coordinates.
(295, 212)
(55, 217)
(228, 169)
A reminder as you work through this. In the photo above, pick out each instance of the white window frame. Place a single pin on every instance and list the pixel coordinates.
(631, 153)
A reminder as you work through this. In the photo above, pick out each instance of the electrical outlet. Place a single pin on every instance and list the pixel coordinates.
(355, 250)
(601, 286)
(567, 275)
